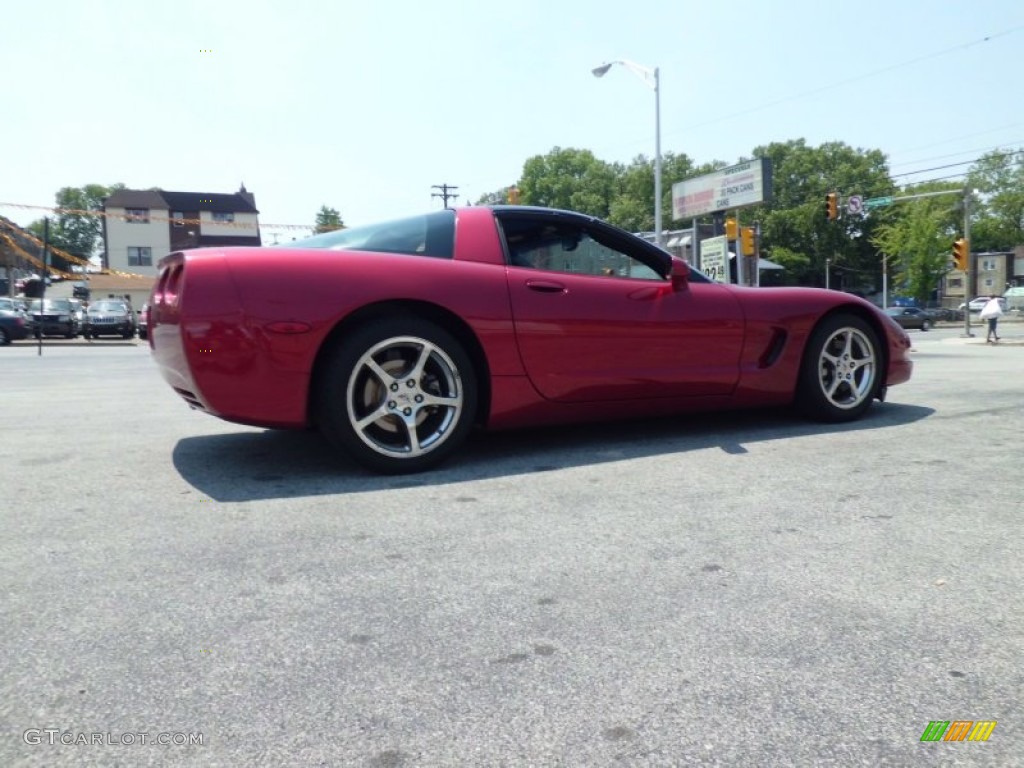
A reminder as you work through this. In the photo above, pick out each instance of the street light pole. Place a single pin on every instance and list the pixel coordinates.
(653, 79)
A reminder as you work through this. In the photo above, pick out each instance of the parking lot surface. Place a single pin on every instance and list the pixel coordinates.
(735, 589)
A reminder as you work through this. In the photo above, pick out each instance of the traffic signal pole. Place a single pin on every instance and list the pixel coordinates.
(970, 265)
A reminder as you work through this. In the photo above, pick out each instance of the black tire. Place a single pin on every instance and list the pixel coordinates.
(350, 390)
(926, 325)
(841, 370)
(4, 338)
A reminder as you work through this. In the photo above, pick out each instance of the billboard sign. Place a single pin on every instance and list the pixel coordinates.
(740, 185)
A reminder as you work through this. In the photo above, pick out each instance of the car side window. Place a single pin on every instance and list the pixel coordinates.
(568, 247)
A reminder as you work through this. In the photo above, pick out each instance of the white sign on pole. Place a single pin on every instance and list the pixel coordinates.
(714, 258)
(855, 205)
(745, 184)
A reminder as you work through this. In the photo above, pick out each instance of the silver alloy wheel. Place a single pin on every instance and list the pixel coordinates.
(847, 368)
(404, 397)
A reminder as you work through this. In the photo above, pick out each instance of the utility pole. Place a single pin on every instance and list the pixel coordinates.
(444, 193)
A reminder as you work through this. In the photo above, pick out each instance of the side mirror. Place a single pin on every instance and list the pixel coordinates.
(680, 274)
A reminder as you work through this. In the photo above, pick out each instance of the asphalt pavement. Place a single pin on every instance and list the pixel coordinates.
(734, 589)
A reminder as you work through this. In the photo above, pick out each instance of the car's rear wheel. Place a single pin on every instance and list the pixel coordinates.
(926, 325)
(4, 338)
(841, 370)
(399, 395)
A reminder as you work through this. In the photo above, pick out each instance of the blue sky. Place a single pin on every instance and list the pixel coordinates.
(365, 106)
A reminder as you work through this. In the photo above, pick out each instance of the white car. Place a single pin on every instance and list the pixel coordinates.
(979, 303)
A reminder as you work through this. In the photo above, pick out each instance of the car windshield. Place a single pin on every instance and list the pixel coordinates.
(107, 306)
(52, 305)
(432, 234)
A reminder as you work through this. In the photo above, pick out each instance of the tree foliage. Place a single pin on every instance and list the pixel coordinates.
(917, 244)
(80, 234)
(327, 220)
(571, 179)
(793, 221)
(999, 217)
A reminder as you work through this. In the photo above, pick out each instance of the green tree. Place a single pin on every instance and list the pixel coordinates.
(998, 218)
(917, 244)
(795, 232)
(327, 220)
(497, 197)
(78, 225)
(572, 179)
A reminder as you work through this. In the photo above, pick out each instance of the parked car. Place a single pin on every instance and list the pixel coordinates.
(110, 317)
(14, 324)
(979, 303)
(947, 314)
(53, 317)
(80, 313)
(144, 322)
(13, 304)
(911, 317)
(395, 339)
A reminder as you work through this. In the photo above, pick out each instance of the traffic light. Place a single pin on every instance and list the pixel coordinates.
(961, 254)
(832, 206)
(513, 195)
(730, 229)
(747, 241)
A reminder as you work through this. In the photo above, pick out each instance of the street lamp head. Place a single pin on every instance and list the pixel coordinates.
(600, 71)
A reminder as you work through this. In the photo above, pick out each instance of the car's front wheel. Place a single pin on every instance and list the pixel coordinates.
(399, 395)
(841, 370)
(926, 325)
(4, 338)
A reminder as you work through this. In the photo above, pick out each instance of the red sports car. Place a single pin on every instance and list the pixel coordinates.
(396, 339)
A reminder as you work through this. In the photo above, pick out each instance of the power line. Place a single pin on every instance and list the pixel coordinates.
(1008, 153)
(848, 81)
(993, 148)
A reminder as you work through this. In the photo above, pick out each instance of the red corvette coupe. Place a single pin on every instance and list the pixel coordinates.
(396, 339)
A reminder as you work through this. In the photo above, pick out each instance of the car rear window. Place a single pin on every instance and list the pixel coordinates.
(431, 234)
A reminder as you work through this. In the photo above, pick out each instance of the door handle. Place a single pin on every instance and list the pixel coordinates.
(545, 286)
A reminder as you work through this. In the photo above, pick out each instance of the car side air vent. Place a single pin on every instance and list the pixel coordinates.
(773, 349)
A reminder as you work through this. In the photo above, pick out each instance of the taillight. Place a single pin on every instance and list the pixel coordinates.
(170, 295)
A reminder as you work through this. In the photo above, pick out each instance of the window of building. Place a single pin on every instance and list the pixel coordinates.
(988, 282)
(137, 215)
(140, 256)
(988, 265)
(955, 282)
(179, 218)
(224, 218)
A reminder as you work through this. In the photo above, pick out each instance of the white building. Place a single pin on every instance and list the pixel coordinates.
(140, 227)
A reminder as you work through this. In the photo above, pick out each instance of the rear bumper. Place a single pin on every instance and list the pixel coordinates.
(217, 359)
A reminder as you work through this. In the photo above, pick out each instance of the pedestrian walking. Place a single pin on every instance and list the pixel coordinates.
(992, 311)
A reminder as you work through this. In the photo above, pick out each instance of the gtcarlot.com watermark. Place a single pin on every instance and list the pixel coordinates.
(55, 736)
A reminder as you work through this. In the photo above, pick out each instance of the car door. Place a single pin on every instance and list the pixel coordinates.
(595, 319)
